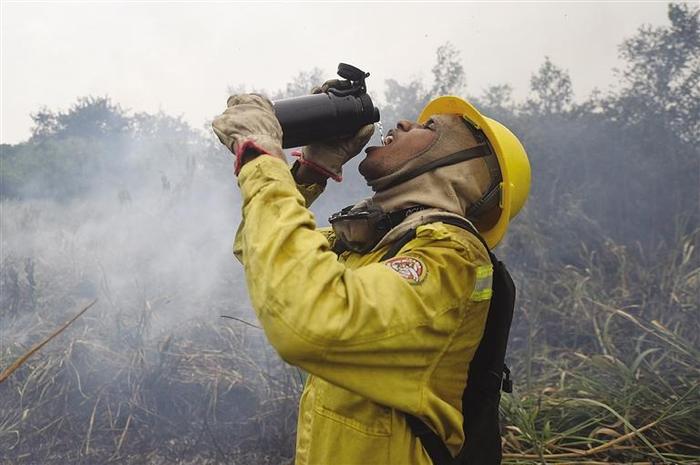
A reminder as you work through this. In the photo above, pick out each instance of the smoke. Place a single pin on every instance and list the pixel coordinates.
(140, 211)
(143, 235)
(145, 226)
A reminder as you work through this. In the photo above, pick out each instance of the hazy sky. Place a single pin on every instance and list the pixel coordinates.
(181, 57)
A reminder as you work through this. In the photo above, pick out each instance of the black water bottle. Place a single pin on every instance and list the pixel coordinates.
(340, 111)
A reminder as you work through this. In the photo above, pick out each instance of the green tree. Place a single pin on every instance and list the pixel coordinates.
(97, 145)
(405, 101)
(499, 97)
(302, 83)
(551, 91)
(661, 79)
(88, 117)
(448, 72)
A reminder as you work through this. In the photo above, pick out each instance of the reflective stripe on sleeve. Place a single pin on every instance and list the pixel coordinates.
(483, 283)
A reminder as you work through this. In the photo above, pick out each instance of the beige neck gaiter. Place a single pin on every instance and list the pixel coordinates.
(451, 188)
(448, 189)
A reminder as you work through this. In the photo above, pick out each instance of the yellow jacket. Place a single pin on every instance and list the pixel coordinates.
(376, 340)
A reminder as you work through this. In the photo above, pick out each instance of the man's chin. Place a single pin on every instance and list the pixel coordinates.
(372, 167)
(373, 148)
(369, 168)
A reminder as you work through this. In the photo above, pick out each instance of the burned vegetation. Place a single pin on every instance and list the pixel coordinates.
(139, 211)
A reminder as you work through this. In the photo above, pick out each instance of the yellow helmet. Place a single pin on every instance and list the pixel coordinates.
(511, 156)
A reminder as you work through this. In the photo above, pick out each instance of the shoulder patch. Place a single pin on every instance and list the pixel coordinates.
(409, 268)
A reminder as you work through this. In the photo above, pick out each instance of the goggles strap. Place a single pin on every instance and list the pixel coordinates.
(395, 218)
(382, 225)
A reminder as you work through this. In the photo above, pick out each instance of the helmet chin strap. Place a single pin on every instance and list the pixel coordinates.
(359, 228)
(486, 202)
(478, 151)
(482, 150)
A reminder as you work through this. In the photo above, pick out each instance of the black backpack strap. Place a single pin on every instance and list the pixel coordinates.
(466, 224)
(433, 445)
(481, 397)
(398, 244)
(411, 234)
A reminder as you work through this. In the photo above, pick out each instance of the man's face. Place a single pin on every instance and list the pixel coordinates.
(406, 142)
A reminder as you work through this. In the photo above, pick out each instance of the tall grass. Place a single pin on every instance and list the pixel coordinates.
(610, 364)
(604, 350)
(203, 392)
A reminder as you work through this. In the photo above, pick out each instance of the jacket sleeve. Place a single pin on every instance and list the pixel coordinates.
(352, 327)
(309, 192)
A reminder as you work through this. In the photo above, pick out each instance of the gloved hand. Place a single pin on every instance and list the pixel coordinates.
(249, 128)
(328, 157)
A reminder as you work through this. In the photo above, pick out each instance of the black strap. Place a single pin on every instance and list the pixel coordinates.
(433, 445)
(486, 383)
(395, 218)
(486, 202)
(411, 234)
(478, 151)
(386, 224)
(398, 244)
(466, 224)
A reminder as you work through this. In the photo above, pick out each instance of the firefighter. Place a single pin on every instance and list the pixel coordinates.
(386, 308)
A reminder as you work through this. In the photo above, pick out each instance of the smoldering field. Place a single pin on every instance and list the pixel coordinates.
(139, 211)
(153, 363)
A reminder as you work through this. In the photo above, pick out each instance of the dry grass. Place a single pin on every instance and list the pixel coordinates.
(611, 365)
(207, 393)
(605, 355)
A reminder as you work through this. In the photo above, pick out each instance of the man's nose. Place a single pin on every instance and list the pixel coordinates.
(405, 125)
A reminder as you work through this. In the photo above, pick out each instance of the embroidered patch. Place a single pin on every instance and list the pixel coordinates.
(408, 268)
